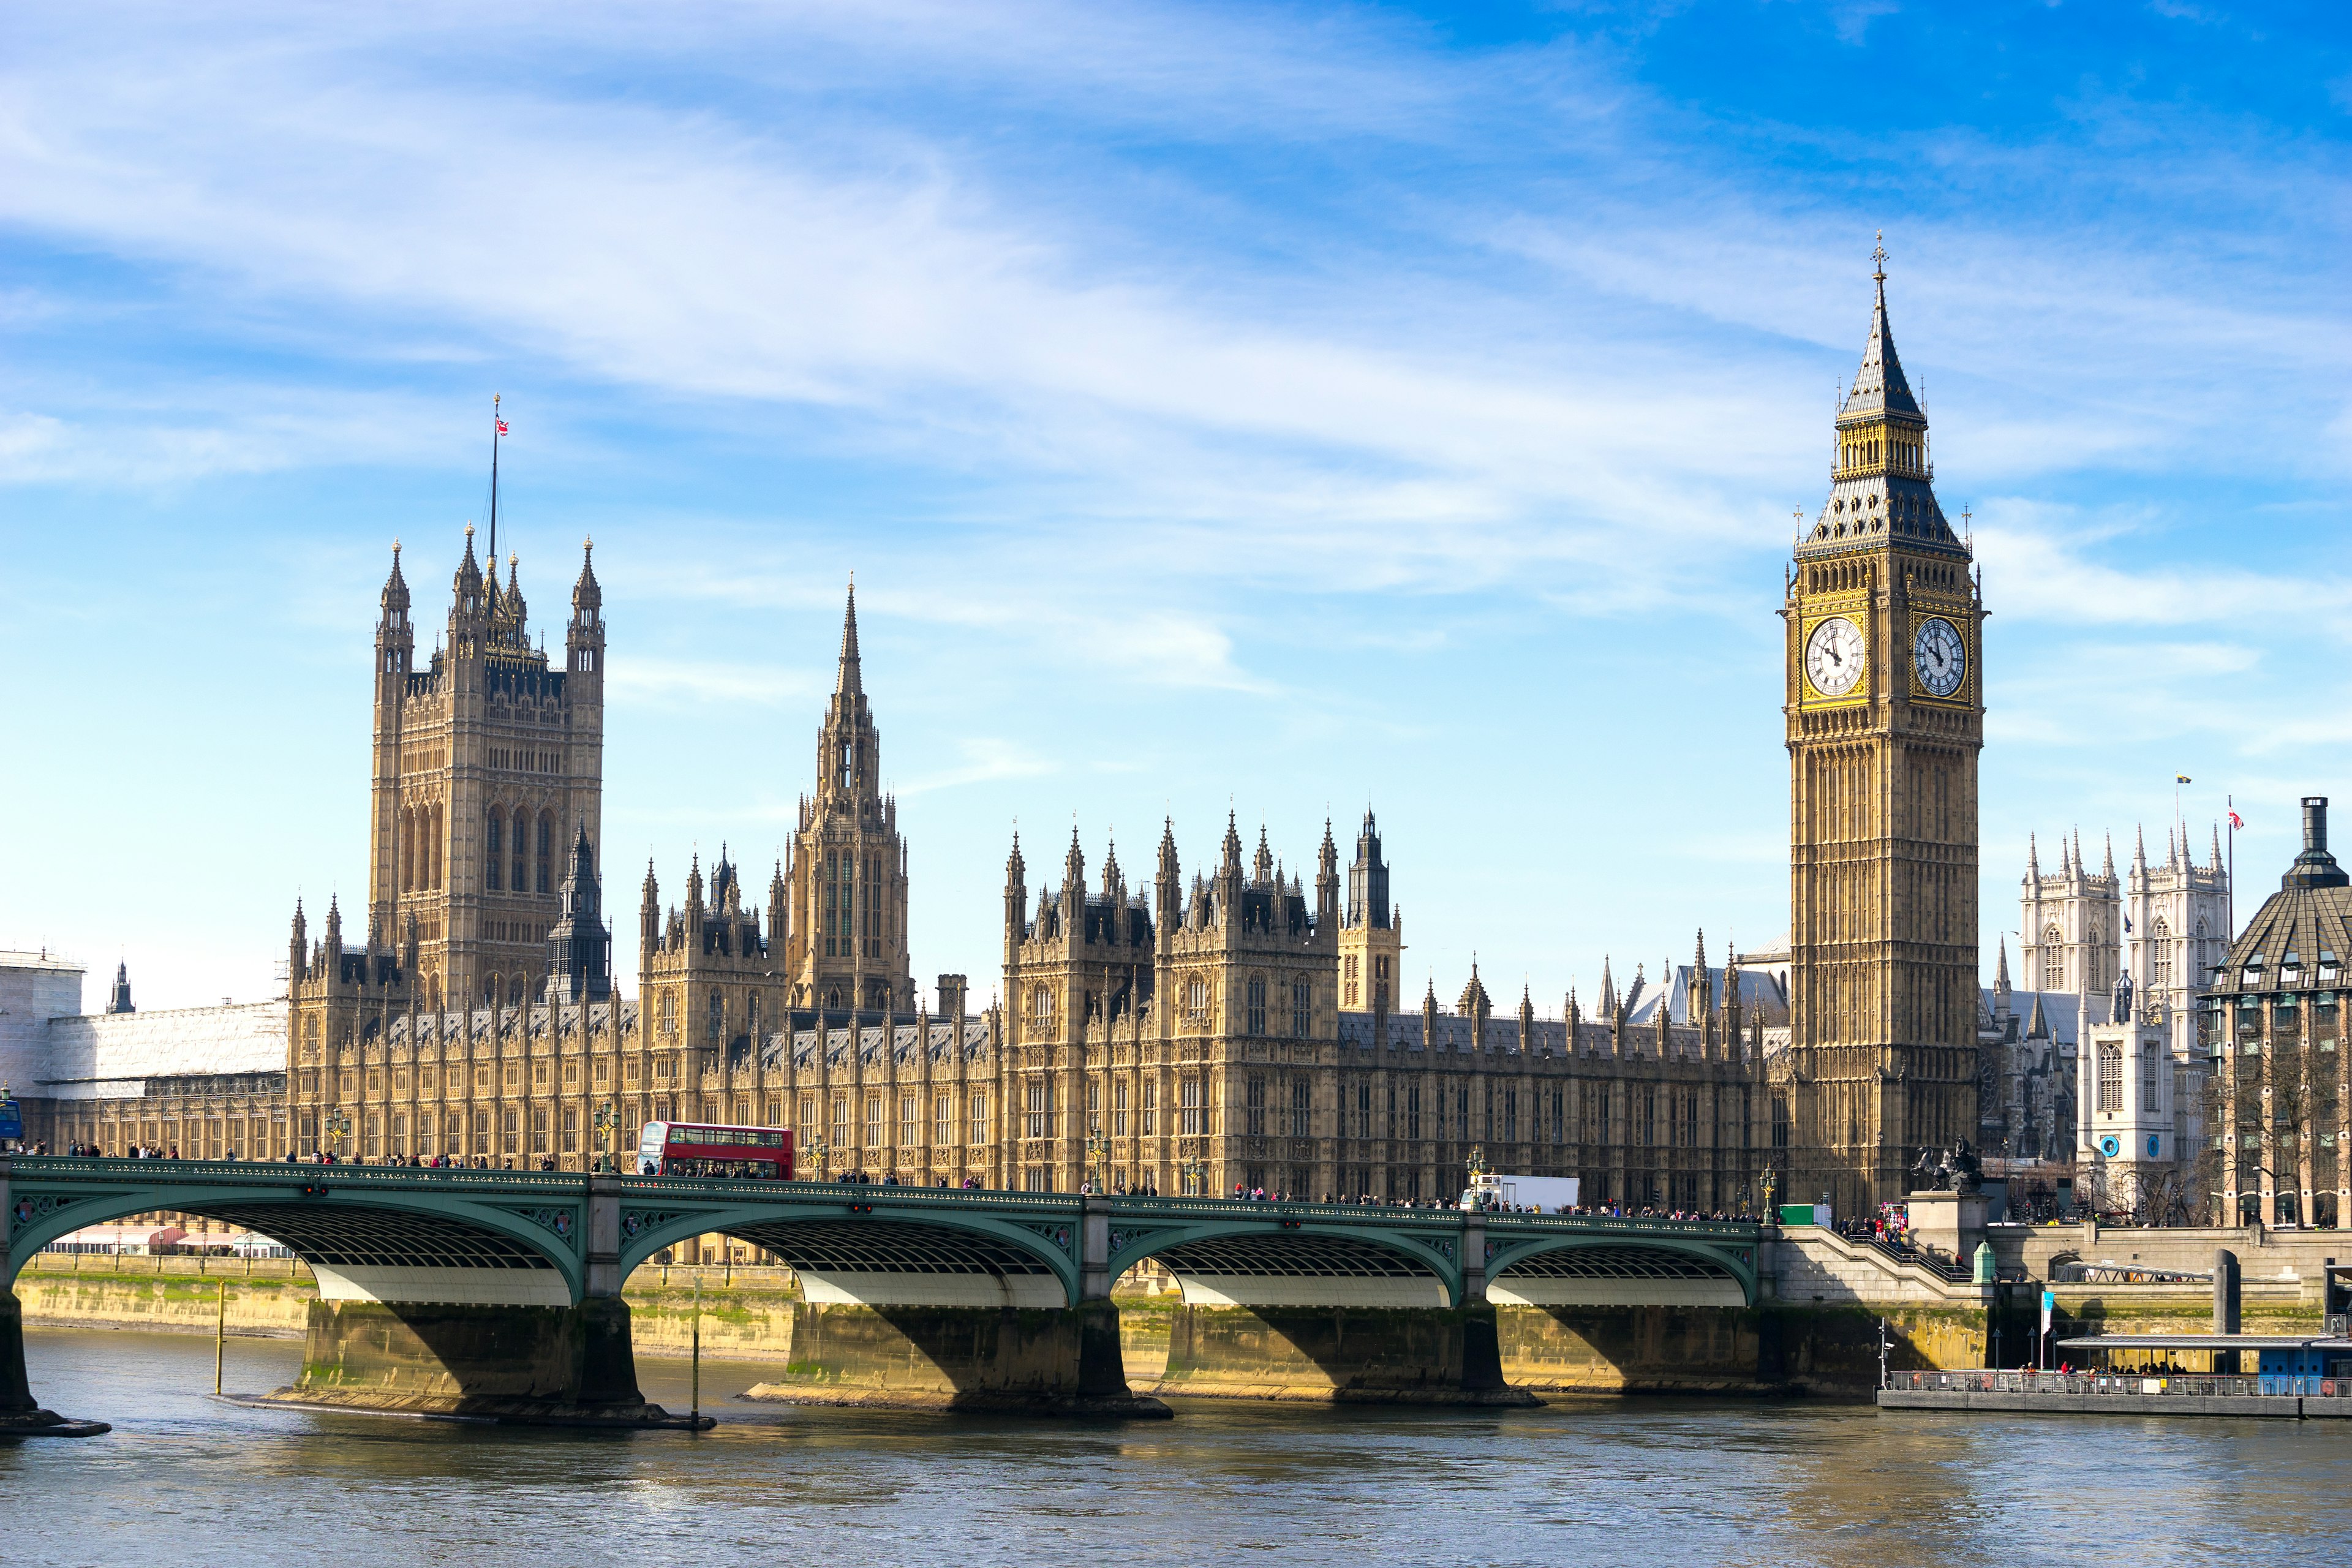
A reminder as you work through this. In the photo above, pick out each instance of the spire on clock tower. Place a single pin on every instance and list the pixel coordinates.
(1882, 480)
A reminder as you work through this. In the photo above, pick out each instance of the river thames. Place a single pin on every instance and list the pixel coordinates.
(185, 1479)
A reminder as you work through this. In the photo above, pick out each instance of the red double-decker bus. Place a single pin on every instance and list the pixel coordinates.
(692, 1149)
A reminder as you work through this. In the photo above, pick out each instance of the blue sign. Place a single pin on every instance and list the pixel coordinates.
(2111, 1146)
(12, 1119)
(2155, 1143)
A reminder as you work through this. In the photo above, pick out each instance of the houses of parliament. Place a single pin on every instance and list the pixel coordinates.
(1229, 1021)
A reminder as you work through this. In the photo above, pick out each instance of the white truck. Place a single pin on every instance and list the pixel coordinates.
(1546, 1195)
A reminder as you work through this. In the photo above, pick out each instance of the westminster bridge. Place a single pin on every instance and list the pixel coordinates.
(499, 1292)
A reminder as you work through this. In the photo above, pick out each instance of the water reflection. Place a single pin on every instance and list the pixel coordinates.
(183, 1479)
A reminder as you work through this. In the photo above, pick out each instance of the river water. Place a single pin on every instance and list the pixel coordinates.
(182, 1479)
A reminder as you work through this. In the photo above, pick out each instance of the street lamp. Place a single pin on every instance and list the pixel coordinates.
(606, 1120)
(1097, 1152)
(1196, 1175)
(338, 1127)
(819, 1149)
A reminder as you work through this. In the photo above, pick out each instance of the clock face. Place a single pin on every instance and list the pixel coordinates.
(1833, 656)
(1940, 656)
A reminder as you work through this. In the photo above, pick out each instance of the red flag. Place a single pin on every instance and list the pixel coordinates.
(2236, 821)
(502, 426)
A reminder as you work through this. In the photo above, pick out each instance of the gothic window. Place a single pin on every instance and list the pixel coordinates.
(1189, 1107)
(2148, 1079)
(1118, 1109)
(911, 1120)
(2160, 938)
(1301, 1105)
(980, 1116)
(1302, 1012)
(1412, 1110)
(546, 883)
(1510, 1116)
(1041, 1007)
(942, 1121)
(2111, 1077)
(1039, 1108)
(1196, 998)
(1150, 1107)
(668, 1013)
(493, 852)
(2054, 959)
(1257, 1004)
(1253, 1106)
(716, 1029)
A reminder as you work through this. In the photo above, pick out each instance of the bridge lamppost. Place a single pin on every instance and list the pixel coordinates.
(338, 1127)
(1097, 1152)
(818, 1150)
(607, 1118)
(1196, 1177)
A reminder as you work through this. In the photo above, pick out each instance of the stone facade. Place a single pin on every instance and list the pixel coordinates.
(734, 1022)
(486, 765)
(1885, 722)
(1204, 1047)
(2282, 1094)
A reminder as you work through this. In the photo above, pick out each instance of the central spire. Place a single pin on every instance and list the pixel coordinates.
(1882, 483)
(1879, 386)
(850, 681)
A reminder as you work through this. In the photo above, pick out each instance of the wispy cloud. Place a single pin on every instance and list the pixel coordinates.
(2096, 573)
(983, 760)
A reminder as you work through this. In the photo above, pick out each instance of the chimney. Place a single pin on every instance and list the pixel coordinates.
(2314, 823)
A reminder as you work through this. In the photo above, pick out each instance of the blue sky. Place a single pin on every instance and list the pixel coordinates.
(1280, 405)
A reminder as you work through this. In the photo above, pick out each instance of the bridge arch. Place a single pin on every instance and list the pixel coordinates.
(1276, 1260)
(364, 1240)
(1628, 1269)
(849, 1249)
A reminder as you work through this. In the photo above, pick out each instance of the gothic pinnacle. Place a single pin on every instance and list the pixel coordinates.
(850, 681)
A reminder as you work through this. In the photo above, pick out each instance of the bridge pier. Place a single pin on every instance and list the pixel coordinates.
(524, 1360)
(21, 1415)
(922, 1342)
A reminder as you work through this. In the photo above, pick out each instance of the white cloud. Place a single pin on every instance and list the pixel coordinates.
(2038, 573)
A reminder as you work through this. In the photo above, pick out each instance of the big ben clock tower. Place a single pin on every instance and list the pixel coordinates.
(1885, 716)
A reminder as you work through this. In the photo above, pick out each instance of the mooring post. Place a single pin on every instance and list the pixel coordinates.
(220, 1333)
(695, 1398)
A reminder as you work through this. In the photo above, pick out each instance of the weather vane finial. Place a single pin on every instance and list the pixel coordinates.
(1878, 256)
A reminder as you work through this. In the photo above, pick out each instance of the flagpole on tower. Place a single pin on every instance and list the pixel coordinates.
(497, 428)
